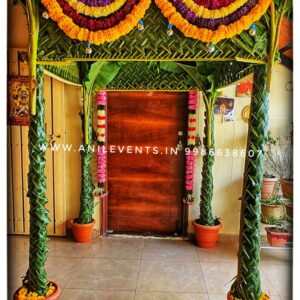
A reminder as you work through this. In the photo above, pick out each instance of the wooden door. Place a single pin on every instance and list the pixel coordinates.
(145, 180)
(18, 161)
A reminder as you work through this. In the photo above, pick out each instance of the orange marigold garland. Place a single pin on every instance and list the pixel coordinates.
(97, 37)
(187, 23)
(263, 296)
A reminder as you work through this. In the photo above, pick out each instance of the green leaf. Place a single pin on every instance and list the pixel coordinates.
(100, 74)
(171, 67)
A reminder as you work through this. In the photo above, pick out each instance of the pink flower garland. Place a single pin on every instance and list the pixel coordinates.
(191, 141)
(101, 100)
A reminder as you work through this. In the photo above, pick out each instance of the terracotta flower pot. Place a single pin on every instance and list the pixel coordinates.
(263, 296)
(206, 236)
(268, 211)
(287, 188)
(52, 297)
(289, 209)
(277, 239)
(267, 187)
(82, 233)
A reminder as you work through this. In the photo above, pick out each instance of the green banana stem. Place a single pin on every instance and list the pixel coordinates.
(206, 217)
(36, 277)
(86, 196)
(247, 285)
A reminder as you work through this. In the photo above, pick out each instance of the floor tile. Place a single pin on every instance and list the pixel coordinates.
(280, 276)
(169, 296)
(219, 278)
(80, 294)
(223, 252)
(63, 247)
(170, 250)
(171, 276)
(105, 274)
(116, 248)
(276, 256)
(17, 267)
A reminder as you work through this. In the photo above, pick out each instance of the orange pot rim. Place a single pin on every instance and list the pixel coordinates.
(271, 205)
(51, 297)
(266, 179)
(82, 225)
(274, 233)
(287, 180)
(208, 228)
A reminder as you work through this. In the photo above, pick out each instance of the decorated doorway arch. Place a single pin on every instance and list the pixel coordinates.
(188, 37)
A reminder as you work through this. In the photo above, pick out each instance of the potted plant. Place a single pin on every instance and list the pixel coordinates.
(279, 234)
(95, 76)
(289, 207)
(268, 184)
(279, 159)
(206, 76)
(272, 207)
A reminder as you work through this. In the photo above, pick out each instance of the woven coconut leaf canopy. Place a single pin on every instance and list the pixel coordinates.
(152, 43)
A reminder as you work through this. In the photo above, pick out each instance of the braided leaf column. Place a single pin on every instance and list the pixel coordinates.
(247, 285)
(36, 277)
(86, 196)
(207, 188)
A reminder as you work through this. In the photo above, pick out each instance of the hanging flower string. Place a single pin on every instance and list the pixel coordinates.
(190, 157)
(212, 25)
(96, 21)
(101, 101)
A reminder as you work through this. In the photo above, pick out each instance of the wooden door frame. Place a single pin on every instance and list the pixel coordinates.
(104, 200)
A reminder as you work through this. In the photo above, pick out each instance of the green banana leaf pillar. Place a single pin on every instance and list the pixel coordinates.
(247, 285)
(36, 277)
(86, 196)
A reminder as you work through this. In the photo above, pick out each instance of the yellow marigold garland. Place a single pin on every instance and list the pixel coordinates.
(96, 12)
(207, 35)
(24, 294)
(263, 296)
(66, 24)
(206, 13)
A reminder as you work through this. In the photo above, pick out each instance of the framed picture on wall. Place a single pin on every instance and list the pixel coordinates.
(18, 100)
(244, 89)
(225, 106)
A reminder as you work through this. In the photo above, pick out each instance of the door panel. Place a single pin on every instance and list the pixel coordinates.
(145, 189)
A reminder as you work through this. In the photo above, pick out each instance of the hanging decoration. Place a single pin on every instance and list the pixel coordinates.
(96, 21)
(191, 145)
(101, 101)
(212, 20)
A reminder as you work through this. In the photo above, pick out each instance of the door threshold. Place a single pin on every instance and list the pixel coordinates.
(146, 237)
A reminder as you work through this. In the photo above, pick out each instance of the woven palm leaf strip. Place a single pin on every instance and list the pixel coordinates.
(247, 285)
(86, 195)
(152, 43)
(137, 76)
(101, 102)
(190, 154)
(207, 187)
(36, 277)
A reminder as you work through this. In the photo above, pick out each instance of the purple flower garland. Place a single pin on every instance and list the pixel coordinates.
(96, 3)
(94, 24)
(212, 24)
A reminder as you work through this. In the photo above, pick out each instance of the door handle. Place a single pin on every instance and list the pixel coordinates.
(179, 146)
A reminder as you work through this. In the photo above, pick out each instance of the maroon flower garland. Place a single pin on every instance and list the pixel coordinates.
(100, 23)
(213, 4)
(213, 24)
(190, 157)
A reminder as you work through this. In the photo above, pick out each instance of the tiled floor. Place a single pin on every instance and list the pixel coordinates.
(147, 269)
